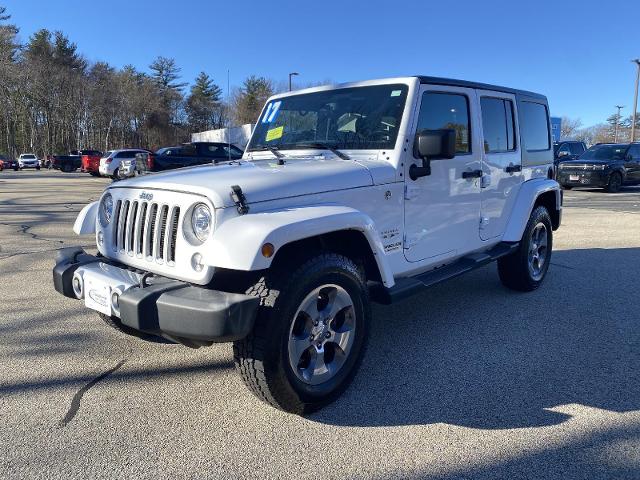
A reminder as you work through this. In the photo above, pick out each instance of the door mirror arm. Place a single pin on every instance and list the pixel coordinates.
(432, 145)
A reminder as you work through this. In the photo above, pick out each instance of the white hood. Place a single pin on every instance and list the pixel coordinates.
(260, 180)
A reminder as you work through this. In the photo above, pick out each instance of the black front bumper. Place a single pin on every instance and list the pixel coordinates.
(590, 178)
(169, 308)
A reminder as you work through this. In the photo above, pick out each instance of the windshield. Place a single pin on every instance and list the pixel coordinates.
(28, 156)
(350, 118)
(604, 152)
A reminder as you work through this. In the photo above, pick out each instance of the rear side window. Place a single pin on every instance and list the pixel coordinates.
(497, 125)
(440, 110)
(534, 126)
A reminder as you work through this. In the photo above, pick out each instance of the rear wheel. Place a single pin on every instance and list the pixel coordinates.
(309, 336)
(615, 182)
(94, 174)
(116, 174)
(525, 269)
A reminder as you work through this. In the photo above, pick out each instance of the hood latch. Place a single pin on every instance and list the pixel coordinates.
(239, 199)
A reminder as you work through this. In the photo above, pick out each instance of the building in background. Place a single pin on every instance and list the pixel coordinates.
(238, 136)
(556, 128)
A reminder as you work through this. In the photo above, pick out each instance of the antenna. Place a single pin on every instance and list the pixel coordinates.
(228, 116)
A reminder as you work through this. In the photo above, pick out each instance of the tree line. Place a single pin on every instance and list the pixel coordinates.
(52, 100)
(615, 128)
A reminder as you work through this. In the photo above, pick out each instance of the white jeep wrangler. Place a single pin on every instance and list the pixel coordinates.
(349, 194)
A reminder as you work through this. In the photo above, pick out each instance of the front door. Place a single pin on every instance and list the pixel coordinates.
(442, 210)
(501, 161)
(632, 163)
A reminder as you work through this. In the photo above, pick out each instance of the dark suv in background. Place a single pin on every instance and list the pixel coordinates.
(567, 150)
(605, 165)
(186, 155)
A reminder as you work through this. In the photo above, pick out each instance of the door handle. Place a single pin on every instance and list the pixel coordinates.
(513, 168)
(472, 174)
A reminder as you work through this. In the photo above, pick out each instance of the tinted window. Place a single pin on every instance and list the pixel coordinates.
(28, 157)
(634, 151)
(576, 148)
(605, 152)
(188, 150)
(497, 125)
(564, 149)
(447, 111)
(534, 126)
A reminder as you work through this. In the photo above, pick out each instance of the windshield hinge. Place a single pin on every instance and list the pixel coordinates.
(239, 199)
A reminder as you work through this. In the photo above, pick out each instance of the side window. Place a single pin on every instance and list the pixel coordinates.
(447, 111)
(534, 126)
(564, 149)
(635, 152)
(576, 148)
(497, 125)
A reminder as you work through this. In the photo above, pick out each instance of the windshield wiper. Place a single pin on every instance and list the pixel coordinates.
(273, 149)
(323, 146)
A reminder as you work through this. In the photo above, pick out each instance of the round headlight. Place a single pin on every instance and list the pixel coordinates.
(201, 221)
(106, 209)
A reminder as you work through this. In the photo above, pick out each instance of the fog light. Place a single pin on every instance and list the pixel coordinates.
(196, 262)
(77, 285)
(100, 238)
(115, 302)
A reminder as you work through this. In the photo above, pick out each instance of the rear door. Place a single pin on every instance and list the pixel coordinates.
(501, 161)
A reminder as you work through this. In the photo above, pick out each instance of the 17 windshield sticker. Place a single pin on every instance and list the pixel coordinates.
(272, 112)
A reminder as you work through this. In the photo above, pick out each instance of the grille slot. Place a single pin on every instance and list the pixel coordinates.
(146, 230)
(173, 234)
(162, 231)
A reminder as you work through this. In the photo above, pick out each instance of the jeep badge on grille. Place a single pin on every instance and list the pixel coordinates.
(146, 196)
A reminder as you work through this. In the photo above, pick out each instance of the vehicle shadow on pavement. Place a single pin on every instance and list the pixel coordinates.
(472, 353)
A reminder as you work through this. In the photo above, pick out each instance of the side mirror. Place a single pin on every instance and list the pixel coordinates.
(432, 145)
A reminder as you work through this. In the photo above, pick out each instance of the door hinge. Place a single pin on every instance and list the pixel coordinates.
(413, 239)
(411, 192)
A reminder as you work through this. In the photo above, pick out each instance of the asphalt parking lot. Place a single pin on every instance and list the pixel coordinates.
(468, 380)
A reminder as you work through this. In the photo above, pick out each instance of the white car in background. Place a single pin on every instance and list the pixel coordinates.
(112, 162)
(28, 160)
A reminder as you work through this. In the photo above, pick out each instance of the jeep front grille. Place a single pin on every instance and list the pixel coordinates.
(146, 230)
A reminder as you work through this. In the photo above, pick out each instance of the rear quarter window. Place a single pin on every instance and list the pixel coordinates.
(535, 135)
(534, 127)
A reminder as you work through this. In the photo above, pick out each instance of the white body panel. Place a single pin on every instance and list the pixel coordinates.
(499, 188)
(442, 210)
(410, 226)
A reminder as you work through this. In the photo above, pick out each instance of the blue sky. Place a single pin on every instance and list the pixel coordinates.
(576, 52)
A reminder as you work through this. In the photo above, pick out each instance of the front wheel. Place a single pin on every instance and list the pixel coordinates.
(309, 335)
(525, 269)
(615, 182)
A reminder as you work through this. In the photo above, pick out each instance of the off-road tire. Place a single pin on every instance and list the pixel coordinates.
(615, 183)
(114, 322)
(262, 359)
(513, 269)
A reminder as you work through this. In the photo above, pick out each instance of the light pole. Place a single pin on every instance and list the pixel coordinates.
(292, 74)
(615, 135)
(635, 101)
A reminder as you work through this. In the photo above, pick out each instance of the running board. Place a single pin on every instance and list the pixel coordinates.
(405, 287)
